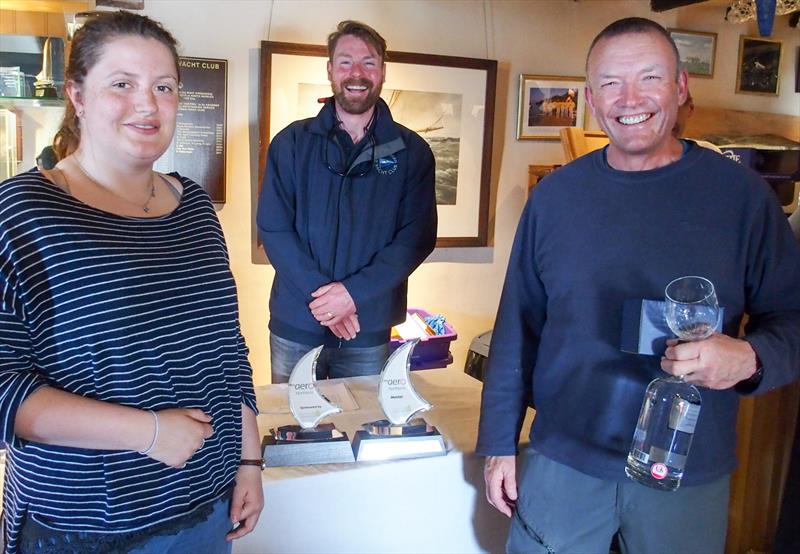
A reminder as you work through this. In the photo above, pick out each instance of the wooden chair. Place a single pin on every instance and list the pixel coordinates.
(577, 142)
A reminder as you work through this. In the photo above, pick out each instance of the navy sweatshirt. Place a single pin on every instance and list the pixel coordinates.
(592, 237)
(368, 229)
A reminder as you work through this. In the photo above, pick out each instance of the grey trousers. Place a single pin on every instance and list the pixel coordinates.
(561, 510)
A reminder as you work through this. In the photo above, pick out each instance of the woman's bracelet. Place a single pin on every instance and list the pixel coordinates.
(254, 462)
(149, 449)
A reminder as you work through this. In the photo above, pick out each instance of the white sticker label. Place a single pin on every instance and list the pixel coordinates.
(683, 415)
(658, 471)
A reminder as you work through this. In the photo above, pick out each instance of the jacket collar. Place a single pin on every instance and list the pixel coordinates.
(385, 129)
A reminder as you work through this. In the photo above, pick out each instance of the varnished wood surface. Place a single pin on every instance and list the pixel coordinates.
(40, 24)
(765, 431)
(719, 121)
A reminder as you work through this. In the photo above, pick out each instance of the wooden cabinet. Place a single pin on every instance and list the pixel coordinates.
(766, 430)
(41, 24)
(30, 123)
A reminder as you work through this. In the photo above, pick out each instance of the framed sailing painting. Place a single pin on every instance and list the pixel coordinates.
(447, 100)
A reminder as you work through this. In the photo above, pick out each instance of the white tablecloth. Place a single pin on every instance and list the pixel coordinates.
(424, 505)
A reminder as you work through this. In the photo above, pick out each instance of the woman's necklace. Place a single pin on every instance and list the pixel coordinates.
(150, 196)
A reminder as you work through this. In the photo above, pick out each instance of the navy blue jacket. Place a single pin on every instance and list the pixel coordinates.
(368, 229)
(592, 237)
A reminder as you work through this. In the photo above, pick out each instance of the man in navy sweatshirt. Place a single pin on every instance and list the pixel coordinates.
(347, 212)
(619, 224)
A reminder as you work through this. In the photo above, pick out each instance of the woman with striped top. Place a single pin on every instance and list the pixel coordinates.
(126, 397)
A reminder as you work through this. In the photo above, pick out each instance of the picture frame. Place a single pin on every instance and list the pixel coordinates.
(698, 51)
(122, 4)
(758, 66)
(547, 104)
(797, 72)
(448, 100)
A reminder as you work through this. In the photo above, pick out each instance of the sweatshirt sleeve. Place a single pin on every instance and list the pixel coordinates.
(275, 220)
(414, 239)
(515, 340)
(18, 377)
(773, 296)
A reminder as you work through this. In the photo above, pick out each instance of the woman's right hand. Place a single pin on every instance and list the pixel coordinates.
(181, 433)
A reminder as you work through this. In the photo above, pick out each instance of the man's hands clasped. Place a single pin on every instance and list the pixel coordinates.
(333, 307)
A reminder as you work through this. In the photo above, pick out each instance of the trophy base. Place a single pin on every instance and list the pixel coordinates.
(380, 440)
(292, 445)
(45, 91)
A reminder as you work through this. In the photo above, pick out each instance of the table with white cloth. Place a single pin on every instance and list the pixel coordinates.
(434, 504)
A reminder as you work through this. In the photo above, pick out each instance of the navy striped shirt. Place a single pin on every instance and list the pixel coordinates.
(134, 311)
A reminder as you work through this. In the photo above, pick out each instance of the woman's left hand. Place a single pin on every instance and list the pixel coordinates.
(247, 501)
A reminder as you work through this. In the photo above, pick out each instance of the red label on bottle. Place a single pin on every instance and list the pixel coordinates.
(658, 470)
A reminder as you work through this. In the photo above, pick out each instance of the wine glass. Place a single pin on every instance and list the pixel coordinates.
(671, 406)
(691, 308)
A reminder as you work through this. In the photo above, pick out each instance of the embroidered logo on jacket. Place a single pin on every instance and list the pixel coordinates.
(386, 165)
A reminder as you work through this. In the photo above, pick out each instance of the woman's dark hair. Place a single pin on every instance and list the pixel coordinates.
(85, 50)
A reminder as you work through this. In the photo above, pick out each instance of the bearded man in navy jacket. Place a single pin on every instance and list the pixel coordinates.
(347, 212)
(618, 224)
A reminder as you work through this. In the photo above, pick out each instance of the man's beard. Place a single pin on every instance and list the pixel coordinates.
(357, 106)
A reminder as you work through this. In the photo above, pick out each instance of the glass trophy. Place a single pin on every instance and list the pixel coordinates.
(44, 87)
(399, 436)
(671, 406)
(310, 442)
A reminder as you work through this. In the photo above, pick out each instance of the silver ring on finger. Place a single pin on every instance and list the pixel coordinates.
(330, 315)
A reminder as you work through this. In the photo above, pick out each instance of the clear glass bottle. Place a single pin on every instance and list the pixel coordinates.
(664, 433)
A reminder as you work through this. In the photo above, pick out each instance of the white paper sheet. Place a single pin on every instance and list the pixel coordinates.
(275, 399)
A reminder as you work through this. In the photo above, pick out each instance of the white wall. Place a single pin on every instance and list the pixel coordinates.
(542, 37)
(720, 92)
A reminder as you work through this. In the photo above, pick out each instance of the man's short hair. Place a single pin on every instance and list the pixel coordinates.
(359, 30)
(630, 25)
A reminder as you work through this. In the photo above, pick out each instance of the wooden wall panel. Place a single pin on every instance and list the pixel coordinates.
(32, 23)
(7, 23)
(765, 430)
(56, 25)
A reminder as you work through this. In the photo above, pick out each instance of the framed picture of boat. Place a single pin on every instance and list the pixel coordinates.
(758, 67)
(447, 100)
(548, 104)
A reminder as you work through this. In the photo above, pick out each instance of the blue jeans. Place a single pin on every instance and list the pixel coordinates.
(207, 537)
(560, 509)
(332, 362)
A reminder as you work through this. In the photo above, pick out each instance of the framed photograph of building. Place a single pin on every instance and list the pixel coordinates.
(698, 51)
(447, 100)
(758, 68)
(548, 104)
